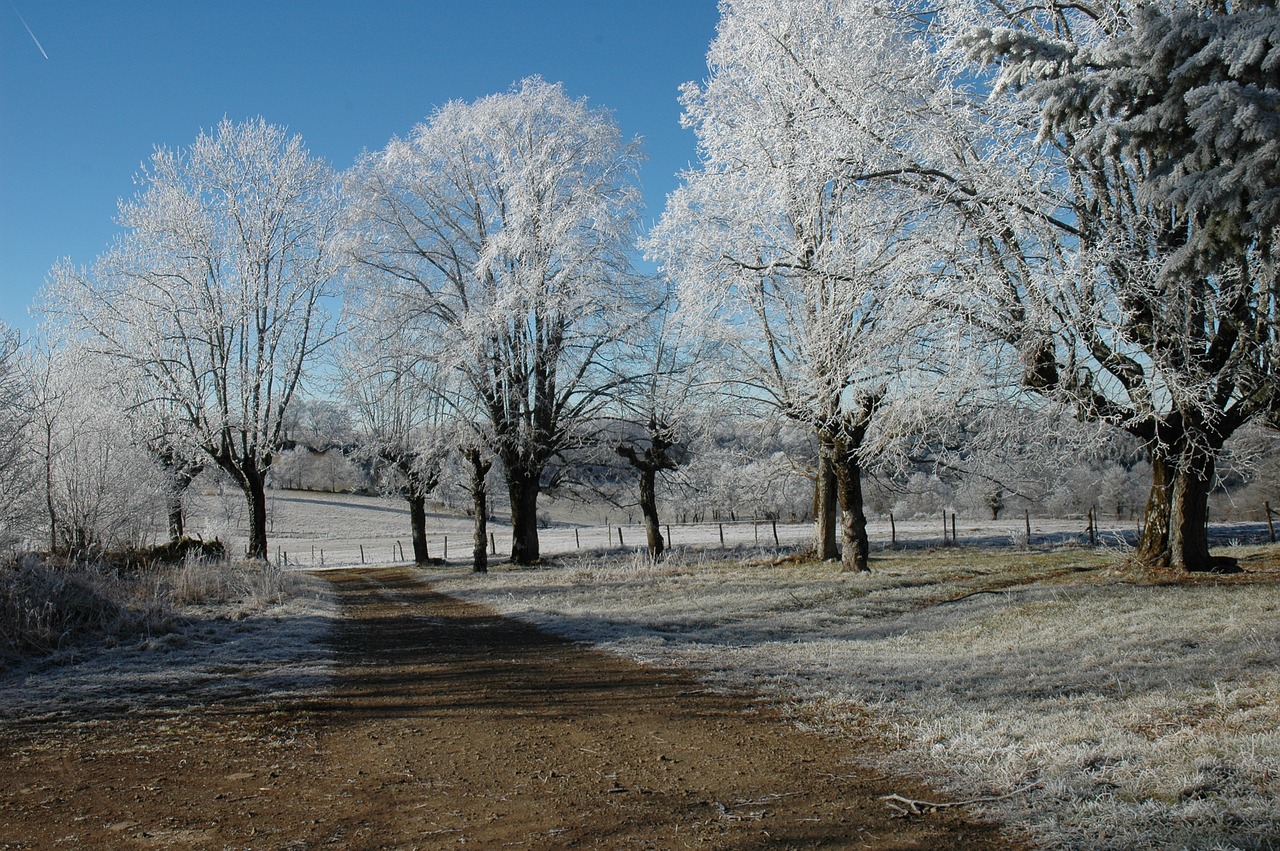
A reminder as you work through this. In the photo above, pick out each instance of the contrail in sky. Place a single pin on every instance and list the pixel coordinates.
(39, 46)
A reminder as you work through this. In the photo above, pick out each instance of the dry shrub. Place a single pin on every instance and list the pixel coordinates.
(48, 607)
(243, 585)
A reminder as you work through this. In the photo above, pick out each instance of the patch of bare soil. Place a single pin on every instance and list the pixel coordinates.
(448, 726)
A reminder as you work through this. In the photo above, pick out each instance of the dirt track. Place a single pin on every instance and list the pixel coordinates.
(448, 726)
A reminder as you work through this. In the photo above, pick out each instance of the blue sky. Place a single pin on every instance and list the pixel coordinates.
(123, 76)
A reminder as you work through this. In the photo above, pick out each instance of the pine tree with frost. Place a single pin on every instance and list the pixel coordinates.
(1159, 307)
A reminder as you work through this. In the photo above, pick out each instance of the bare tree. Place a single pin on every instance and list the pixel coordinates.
(399, 401)
(213, 294)
(16, 472)
(664, 404)
(100, 487)
(504, 226)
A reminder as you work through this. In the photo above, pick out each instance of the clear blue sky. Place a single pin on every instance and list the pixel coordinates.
(123, 76)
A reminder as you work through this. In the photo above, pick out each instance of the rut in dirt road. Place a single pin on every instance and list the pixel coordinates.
(476, 729)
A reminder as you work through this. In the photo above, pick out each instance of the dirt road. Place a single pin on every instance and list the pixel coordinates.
(447, 726)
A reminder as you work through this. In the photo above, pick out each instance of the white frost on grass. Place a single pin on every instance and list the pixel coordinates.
(220, 653)
(1146, 717)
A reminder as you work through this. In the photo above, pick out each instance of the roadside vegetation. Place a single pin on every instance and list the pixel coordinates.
(63, 609)
(1088, 703)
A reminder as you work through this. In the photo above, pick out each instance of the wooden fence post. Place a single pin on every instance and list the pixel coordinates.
(621, 543)
(362, 553)
(1271, 527)
(893, 532)
(955, 542)
(722, 534)
(776, 542)
(446, 547)
(576, 539)
(493, 545)
(1026, 516)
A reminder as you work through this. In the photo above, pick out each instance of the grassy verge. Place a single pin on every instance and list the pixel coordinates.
(1103, 707)
(51, 609)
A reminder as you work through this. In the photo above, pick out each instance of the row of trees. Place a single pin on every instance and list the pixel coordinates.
(485, 262)
(903, 215)
(77, 473)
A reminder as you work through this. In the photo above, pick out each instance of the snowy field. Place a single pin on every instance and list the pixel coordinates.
(315, 529)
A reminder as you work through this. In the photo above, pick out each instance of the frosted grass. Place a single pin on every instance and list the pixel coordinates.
(250, 642)
(1140, 716)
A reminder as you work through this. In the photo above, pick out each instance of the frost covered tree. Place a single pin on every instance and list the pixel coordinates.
(16, 480)
(398, 400)
(156, 425)
(504, 227)
(1110, 183)
(1153, 303)
(100, 488)
(212, 297)
(815, 276)
(665, 404)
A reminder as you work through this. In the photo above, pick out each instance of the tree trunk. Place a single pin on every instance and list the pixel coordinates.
(825, 505)
(524, 517)
(480, 504)
(177, 518)
(183, 475)
(418, 523)
(853, 519)
(49, 504)
(656, 457)
(1153, 547)
(1189, 520)
(1175, 533)
(255, 491)
(649, 507)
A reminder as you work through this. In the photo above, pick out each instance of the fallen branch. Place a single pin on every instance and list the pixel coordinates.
(766, 799)
(907, 807)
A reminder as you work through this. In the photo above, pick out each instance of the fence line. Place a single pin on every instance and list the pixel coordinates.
(884, 533)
